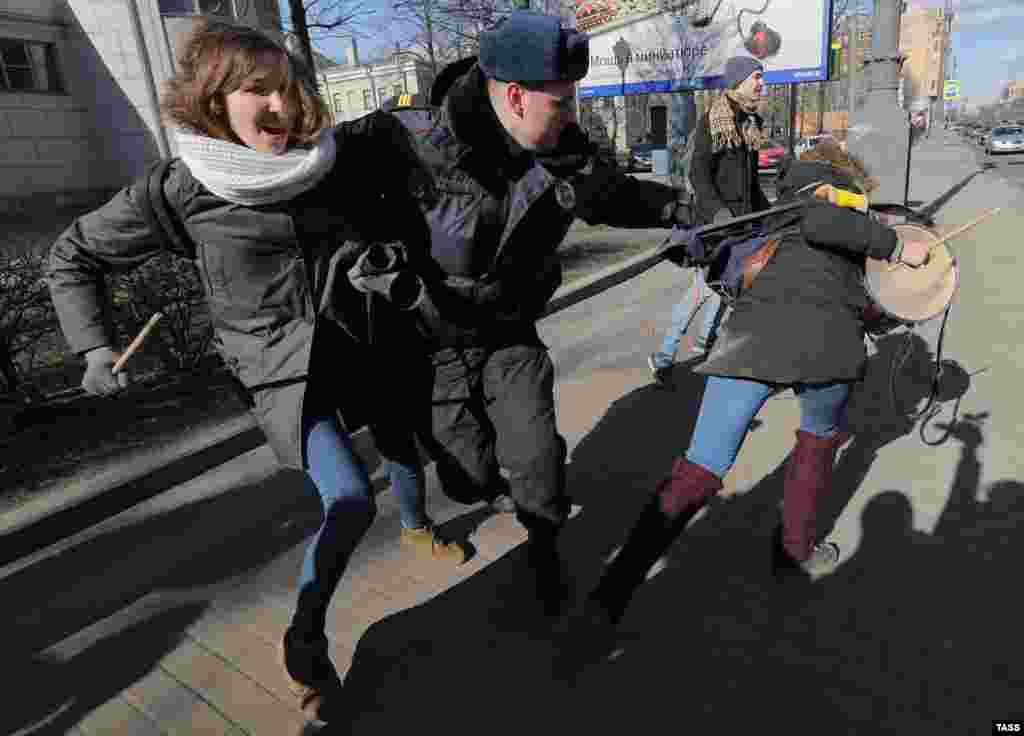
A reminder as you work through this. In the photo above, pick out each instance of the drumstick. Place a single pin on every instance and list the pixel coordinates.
(961, 230)
(136, 343)
(949, 236)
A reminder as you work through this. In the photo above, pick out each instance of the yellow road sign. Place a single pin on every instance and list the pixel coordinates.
(951, 89)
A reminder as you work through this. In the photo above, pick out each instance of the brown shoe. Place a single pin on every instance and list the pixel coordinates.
(425, 541)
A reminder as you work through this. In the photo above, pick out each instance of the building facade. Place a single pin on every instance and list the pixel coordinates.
(353, 89)
(80, 82)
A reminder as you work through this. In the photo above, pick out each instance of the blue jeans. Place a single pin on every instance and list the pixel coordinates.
(345, 491)
(729, 405)
(683, 314)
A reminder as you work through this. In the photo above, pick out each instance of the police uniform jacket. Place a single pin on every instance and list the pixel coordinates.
(497, 214)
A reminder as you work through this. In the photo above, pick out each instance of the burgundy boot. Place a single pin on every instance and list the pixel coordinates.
(677, 499)
(808, 476)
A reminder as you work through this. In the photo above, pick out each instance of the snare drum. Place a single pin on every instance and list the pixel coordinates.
(909, 294)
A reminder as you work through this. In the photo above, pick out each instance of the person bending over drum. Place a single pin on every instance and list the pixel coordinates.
(798, 327)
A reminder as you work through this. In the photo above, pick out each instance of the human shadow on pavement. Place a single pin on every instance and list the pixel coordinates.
(51, 694)
(191, 552)
(710, 629)
(914, 632)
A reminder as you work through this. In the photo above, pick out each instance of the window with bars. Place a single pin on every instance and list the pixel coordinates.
(367, 99)
(28, 66)
(397, 90)
(337, 102)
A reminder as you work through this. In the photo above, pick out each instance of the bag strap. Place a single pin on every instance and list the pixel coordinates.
(158, 213)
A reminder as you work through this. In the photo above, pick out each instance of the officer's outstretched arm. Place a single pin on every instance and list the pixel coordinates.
(607, 196)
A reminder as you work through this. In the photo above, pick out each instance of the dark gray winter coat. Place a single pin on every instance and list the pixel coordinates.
(800, 321)
(274, 275)
(499, 213)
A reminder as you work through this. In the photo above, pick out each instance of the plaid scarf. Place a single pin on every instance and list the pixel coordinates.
(722, 123)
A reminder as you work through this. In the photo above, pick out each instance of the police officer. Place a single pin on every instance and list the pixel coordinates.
(512, 170)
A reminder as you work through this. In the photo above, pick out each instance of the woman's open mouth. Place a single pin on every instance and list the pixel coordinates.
(270, 130)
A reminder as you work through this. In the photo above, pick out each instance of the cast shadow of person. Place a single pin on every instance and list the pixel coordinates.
(916, 631)
(882, 409)
(111, 606)
(924, 620)
(481, 641)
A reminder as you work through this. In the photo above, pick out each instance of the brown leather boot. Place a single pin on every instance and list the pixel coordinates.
(808, 476)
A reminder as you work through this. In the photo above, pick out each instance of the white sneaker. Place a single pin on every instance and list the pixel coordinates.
(824, 556)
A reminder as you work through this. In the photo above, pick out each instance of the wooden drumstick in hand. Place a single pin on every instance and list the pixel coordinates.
(136, 343)
(964, 228)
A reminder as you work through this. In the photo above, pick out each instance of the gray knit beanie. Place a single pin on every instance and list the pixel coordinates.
(739, 68)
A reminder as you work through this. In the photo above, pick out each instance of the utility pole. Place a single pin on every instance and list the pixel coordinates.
(880, 130)
(852, 70)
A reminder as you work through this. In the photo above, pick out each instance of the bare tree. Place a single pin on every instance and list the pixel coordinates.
(311, 21)
(26, 314)
(438, 32)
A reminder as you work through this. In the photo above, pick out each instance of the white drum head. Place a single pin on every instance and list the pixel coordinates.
(913, 294)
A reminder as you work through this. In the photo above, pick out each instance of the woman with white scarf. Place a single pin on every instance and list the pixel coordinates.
(280, 206)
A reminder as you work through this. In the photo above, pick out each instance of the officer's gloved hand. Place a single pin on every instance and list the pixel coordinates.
(680, 213)
(99, 378)
(723, 215)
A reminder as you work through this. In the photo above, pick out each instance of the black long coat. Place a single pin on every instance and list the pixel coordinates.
(274, 275)
(800, 321)
(725, 178)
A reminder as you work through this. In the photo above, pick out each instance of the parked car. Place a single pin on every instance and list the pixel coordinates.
(1005, 139)
(769, 156)
(811, 141)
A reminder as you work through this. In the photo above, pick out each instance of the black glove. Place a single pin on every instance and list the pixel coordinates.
(99, 379)
(723, 215)
(680, 212)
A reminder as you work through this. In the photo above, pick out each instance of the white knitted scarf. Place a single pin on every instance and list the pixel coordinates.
(245, 176)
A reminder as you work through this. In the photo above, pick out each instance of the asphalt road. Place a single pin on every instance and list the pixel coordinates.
(1009, 167)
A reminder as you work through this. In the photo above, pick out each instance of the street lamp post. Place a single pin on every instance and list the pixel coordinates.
(879, 133)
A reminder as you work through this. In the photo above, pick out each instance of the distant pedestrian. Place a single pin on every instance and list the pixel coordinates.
(726, 182)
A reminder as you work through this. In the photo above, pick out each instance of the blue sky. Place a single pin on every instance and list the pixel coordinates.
(988, 36)
(988, 42)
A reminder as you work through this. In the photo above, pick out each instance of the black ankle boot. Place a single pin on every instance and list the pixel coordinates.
(677, 500)
(313, 678)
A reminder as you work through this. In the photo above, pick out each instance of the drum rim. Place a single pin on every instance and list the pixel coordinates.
(956, 281)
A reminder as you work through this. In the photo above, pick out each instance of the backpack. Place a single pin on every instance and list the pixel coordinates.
(161, 216)
(167, 225)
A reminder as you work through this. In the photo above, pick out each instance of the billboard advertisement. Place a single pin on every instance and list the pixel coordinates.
(647, 46)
